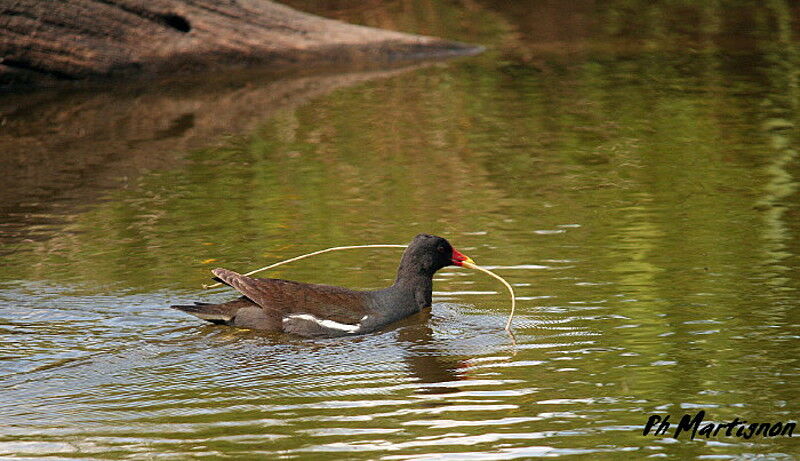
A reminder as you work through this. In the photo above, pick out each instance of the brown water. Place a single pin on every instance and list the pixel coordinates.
(632, 171)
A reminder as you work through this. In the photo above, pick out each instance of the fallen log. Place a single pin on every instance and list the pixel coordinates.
(43, 42)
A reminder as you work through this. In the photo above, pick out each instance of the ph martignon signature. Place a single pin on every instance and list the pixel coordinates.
(734, 428)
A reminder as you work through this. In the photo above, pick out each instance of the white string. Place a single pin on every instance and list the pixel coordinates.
(297, 258)
(510, 290)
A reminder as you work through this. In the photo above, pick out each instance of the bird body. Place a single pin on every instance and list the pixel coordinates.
(322, 310)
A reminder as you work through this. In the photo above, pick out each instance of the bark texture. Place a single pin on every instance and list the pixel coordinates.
(44, 40)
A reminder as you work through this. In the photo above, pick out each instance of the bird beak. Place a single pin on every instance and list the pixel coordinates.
(460, 259)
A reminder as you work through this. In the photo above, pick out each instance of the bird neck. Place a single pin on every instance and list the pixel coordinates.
(421, 285)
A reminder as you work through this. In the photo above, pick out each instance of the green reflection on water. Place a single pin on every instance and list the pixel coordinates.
(645, 176)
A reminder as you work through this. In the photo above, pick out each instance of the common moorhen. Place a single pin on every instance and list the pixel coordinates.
(321, 310)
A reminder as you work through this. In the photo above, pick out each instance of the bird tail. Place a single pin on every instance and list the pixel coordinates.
(206, 312)
(216, 313)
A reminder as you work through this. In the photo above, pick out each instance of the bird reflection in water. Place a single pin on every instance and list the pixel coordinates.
(435, 373)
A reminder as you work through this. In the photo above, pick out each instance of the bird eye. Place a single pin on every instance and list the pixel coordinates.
(441, 249)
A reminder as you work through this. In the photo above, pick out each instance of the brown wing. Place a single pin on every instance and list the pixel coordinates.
(287, 297)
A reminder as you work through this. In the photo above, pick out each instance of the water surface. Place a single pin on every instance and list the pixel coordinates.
(631, 174)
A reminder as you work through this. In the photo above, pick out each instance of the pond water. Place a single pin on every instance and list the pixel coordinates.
(631, 170)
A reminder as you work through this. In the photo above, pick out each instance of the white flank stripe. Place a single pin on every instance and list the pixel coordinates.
(326, 323)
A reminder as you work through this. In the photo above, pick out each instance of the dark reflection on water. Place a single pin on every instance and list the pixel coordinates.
(636, 183)
(70, 148)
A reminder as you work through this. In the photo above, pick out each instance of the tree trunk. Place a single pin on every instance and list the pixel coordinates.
(45, 41)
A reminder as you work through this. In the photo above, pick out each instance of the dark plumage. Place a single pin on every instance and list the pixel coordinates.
(321, 310)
